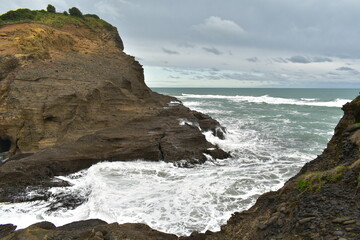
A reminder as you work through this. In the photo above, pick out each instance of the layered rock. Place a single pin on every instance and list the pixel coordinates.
(70, 97)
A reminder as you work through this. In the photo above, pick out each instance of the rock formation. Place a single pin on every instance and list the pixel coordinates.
(85, 230)
(70, 97)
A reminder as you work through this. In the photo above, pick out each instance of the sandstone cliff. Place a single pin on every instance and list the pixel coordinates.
(70, 97)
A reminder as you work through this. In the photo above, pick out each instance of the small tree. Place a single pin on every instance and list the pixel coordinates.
(75, 12)
(51, 9)
(65, 13)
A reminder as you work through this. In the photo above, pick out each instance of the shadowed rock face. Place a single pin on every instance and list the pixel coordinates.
(71, 97)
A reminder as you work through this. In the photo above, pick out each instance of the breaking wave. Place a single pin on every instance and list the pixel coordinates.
(271, 100)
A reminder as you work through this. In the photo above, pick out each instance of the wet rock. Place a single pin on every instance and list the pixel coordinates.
(341, 219)
(305, 220)
(338, 233)
(90, 230)
(349, 222)
(6, 229)
(81, 225)
(43, 225)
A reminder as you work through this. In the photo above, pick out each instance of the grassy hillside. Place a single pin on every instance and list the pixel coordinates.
(56, 20)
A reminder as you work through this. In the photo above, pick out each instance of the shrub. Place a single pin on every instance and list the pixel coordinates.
(65, 13)
(51, 9)
(75, 12)
(92, 15)
(17, 15)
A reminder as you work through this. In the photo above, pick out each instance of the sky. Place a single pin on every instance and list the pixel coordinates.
(233, 43)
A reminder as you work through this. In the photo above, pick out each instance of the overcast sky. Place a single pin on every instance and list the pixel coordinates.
(233, 43)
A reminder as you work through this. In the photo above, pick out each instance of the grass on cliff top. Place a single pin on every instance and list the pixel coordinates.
(56, 20)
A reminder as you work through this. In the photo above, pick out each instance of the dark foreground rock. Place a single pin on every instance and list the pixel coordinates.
(86, 230)
(70, 97)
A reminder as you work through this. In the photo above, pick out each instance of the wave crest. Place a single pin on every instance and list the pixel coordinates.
(266, 99)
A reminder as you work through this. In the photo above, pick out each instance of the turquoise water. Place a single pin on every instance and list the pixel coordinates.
(271, 134)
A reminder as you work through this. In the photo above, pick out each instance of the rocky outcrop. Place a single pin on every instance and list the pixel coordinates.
(70, 97)
(86, 230)
(321, 202)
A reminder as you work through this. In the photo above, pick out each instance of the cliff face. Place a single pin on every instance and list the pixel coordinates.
(70, 97)
(321, 202)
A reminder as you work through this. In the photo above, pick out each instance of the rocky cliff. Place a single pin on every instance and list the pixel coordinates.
(70, 97)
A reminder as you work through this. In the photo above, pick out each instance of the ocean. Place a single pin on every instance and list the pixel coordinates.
(271, 134)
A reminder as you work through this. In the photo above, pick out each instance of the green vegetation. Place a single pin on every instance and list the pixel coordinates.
(75, 12)
(315, 180)
(18, 15)
(92, 15)
(51, 9)
(357, 124)
(56, 20)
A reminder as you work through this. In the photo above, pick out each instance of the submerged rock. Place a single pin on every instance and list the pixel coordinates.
(70, 97)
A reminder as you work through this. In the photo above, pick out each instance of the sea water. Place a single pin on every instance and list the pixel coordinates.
(271, 134)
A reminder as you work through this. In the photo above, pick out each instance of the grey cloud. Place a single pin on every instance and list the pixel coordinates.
(186, 45)
(212, 50)
(345, 69)
(279, 60)
(174, 77)
(302, 59)
(241, 76)
(321, 59)
(253, 59)
(299, 59)
(171, 52)
(349, 70)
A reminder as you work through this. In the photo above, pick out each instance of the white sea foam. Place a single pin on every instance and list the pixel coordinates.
(171, 199)
(168, 198)
(270, 100)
